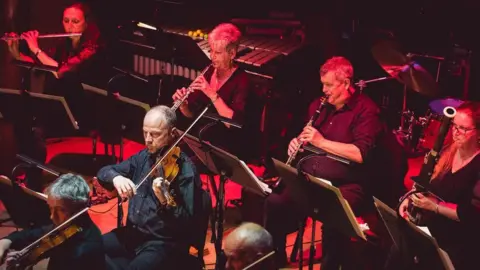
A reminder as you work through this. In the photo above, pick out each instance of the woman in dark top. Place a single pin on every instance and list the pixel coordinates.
(455, 221)
(73, 56)
(224, 85)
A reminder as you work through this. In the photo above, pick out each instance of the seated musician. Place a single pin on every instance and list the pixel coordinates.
(156, 233)
(67, 196)
(455, 220)
(73, 56)
(348, 126)
(224, 85)
(247, 244)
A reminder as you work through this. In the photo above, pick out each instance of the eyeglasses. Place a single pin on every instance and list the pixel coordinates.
(460, 129)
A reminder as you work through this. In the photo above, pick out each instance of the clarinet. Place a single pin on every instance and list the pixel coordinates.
(313, 119)
(415, 214)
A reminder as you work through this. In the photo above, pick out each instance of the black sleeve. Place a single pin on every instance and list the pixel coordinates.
(21, 239)
(125, 168)
(469, 211)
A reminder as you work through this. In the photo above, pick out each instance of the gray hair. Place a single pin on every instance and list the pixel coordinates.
(251, 238)
(165, 114)
(70, 188)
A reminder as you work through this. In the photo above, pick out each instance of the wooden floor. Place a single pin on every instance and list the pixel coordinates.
(107, 221)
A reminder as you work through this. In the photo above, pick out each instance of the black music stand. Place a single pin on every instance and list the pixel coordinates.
(227, 166)
(417, 249)
(180, 50)
(120, 114)
(311, 195)
(51, 112)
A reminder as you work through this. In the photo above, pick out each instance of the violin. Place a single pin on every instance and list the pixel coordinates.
(35, 252)
(170, 171)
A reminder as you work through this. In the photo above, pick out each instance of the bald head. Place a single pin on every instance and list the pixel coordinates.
(246, 244)
(160, 117)
(158, 126)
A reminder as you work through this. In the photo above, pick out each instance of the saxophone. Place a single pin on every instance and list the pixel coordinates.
(415, 214)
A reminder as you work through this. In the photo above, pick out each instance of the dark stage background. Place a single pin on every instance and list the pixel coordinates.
(350, 28)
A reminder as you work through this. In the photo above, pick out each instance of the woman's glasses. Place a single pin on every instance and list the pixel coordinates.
(462, 130)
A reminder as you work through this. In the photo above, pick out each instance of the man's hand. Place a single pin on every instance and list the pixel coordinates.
(12, 257)
(312, 136)
(125, 187)
(4, 246)
(157, 189)
(403, 208)
(292, 147)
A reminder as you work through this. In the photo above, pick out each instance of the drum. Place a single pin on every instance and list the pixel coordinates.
(431, 126)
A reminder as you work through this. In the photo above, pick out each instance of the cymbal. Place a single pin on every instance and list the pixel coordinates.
(388, 54)
(438, 105)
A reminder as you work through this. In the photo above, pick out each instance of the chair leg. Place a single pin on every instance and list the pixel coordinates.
(113, 154)
(121, 150)
(94, 150)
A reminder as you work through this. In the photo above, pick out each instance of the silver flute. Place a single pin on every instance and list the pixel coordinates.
(44, 36)
(179, 102)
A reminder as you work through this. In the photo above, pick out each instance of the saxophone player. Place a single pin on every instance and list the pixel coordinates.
(348, 126)
(155, 234)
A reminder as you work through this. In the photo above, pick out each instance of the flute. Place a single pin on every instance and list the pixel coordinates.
(6, 38)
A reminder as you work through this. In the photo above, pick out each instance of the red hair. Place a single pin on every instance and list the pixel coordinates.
(444, 164)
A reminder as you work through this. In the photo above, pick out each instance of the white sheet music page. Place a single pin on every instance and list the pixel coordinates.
(261, 184)
(425, 230)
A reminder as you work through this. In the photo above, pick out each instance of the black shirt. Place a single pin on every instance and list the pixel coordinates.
(84, 250)
(145, 212)
(357, 123)
(459, 239)
(234, 92)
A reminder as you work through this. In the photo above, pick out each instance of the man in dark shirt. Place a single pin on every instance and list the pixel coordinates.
(67, 196)
(156, 233)
(348, 126)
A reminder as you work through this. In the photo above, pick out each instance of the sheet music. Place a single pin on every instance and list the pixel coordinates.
(425, 230)
(261, 184)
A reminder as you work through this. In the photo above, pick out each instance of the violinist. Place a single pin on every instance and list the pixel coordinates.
(82, 250)
(156, 234)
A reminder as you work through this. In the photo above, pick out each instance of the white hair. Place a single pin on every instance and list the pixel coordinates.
(70, 188)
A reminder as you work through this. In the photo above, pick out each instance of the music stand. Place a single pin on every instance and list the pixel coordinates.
(339, 213)
(51, 112)
(124, 113)
(230, 167)
(417, 249)
(182, 50)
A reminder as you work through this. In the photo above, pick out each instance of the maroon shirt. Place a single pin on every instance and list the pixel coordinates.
(356, 123)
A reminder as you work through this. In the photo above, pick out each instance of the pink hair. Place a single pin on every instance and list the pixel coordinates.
(227, 32)
(342, 68)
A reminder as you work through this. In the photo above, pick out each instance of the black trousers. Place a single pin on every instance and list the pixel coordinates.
(128, 248)
(283, 217)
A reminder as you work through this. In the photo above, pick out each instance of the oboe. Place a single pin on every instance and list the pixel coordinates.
(179, 102)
